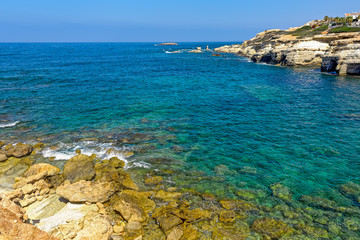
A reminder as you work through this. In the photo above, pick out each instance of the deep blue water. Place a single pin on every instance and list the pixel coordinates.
(266, 124)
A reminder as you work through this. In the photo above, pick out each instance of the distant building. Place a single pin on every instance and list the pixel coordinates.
(353, 15)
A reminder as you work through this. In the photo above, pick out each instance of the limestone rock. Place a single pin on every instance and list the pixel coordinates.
(85, 191)
(29, 180)
(80, 167)
(7, 203)
(273, 228)
(142, 199)
(130, 207)
(12, 227)
(336, 52)
(12, 169)
(126, 181)
(45, 208)
(176, 233)
(106, 172)
(167, 196)
(116, 162)
(70, 212)
(168, 221)
(95, 227)
(42, 167)
(133, 230)
(3, 157)
(19, 150)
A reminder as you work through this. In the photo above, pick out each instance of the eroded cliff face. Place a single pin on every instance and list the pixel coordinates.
(335, 52)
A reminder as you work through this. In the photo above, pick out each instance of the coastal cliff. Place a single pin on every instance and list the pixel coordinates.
(333, 50)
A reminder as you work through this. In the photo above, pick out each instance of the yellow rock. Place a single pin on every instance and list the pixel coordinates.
(155, 180)
(167, 196)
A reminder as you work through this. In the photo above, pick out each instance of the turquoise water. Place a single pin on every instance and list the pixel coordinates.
(187, 113)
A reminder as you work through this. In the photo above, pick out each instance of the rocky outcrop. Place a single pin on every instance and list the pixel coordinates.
(80, 167)
(343, 57)
(19, 150)
(335, 52)
(86, 191)
(167, 44)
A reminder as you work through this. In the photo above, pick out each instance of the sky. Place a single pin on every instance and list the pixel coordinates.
(156, 20)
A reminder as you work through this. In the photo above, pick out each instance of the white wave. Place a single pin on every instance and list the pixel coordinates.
(171, 52)
(140, 164)
(9, 124)
(57, 155)
(101, 150)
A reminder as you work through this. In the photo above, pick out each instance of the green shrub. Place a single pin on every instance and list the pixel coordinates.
(345, 29)
(321, 28)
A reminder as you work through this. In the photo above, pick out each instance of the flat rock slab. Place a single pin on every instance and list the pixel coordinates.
(85, 191)
(45, 208)
(68, 213)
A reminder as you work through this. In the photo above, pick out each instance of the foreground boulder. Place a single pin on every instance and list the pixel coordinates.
(80, 167)
(85, 191)
(40, 168)
(12, 227)
(92, 227)
(3, 157)
(19, 150)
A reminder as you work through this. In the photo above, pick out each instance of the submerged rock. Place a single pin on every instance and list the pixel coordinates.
(351, 189)
(227, 216)
(270, 227)
(223, 170)
(237, 205)
(236, 231)
(155, 180)
(315, 232)
(80, 167)
(85, 191)
(281, 192)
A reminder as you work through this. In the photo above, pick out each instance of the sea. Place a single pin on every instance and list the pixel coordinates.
(214, 124)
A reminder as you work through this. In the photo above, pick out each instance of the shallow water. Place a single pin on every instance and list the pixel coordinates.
(262, 124)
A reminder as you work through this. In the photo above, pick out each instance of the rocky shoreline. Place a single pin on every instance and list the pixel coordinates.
(333, 52)
(93, 199)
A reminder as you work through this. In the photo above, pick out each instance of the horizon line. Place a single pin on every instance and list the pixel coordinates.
(120, 41)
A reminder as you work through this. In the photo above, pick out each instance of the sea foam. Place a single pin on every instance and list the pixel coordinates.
(101, 150)
(9, 124)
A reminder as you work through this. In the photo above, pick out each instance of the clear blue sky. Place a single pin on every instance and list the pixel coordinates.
(156, 20)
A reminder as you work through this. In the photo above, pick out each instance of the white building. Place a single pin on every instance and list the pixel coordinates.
(353, 15)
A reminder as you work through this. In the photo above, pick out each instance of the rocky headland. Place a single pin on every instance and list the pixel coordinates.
(317, 43)
(167, 44)
(93, 199)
